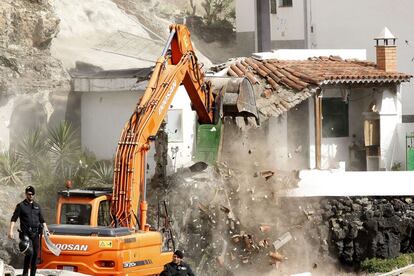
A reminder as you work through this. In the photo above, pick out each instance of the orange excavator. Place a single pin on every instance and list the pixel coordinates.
(105, 231)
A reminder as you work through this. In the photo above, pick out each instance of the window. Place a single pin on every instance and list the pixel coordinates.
(79, 214)
(335, 118)
(103, 214)
(174, 127)
(285, 3)
(273, 8)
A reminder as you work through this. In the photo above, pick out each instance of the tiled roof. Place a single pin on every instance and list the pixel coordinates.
(286, 83)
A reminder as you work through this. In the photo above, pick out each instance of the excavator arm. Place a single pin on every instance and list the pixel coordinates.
(177, 65)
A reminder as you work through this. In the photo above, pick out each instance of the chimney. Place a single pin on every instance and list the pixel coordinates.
(386, 51)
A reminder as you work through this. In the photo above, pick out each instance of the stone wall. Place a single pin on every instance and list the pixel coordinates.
(355, 228)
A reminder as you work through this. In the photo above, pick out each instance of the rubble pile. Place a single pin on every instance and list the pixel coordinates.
(229, 222)
(367, 227)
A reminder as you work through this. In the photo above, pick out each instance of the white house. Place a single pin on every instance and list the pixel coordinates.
(108, 99)
(312, 24)
(342, 111)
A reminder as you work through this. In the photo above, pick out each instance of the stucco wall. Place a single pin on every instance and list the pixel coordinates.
(104, 115)
(282, 27)
(245, 15)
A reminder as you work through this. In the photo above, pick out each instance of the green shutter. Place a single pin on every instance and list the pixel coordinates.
(208, 142)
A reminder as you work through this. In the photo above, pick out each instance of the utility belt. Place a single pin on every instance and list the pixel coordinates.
(31, 232)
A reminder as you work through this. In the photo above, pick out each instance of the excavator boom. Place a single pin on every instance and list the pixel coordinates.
(176, 66)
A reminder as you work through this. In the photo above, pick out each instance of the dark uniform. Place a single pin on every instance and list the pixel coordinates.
(173, 269)
(31, 220)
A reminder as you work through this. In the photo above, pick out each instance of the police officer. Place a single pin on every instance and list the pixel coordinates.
(177, 267)
(31, 223)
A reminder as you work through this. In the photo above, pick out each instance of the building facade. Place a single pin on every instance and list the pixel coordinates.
(316, 24)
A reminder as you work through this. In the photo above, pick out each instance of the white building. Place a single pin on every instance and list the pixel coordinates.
(108, 99)
(315, 24)
(335, 111)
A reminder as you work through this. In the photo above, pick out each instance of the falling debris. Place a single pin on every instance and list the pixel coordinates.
(285, 238)
(277, 257)
(229, 221)
(267, 174)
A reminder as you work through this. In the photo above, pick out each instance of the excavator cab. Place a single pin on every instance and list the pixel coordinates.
(84, 207)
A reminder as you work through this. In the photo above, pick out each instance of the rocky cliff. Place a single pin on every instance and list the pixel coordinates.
(33, 85)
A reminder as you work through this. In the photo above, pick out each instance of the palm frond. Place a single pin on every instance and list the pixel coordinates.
(64, 147)
(11, 169)
(32, 149)
(103, 173)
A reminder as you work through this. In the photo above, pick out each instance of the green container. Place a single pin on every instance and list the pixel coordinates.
(409, 158)
(208, 142)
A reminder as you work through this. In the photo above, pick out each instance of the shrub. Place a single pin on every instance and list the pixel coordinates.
(376, 265)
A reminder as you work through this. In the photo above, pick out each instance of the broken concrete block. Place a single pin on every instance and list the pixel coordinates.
(281, 241)
(267, 174)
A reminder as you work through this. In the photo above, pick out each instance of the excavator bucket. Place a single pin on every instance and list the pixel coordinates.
(237, 96)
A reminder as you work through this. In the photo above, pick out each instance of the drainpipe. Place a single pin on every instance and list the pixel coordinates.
(318, 129)
(263, 26)
(305, 21)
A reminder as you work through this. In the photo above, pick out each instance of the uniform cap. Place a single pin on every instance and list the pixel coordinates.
(30, 189)
(179, 254)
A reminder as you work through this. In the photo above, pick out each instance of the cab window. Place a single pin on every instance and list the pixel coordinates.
(79, 214)
(103, 214)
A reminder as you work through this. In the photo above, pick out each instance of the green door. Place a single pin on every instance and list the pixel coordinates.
(208, 142)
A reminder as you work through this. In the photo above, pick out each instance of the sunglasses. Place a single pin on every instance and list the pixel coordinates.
(29, 194)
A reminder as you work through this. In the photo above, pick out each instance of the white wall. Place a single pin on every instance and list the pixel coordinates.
(185, 147)
(300, 54)
(104, 115)
(282, 25)
(316, 183)
(245, 15)
(389, 120)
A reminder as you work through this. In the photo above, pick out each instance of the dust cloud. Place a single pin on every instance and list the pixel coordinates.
(227, 217)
